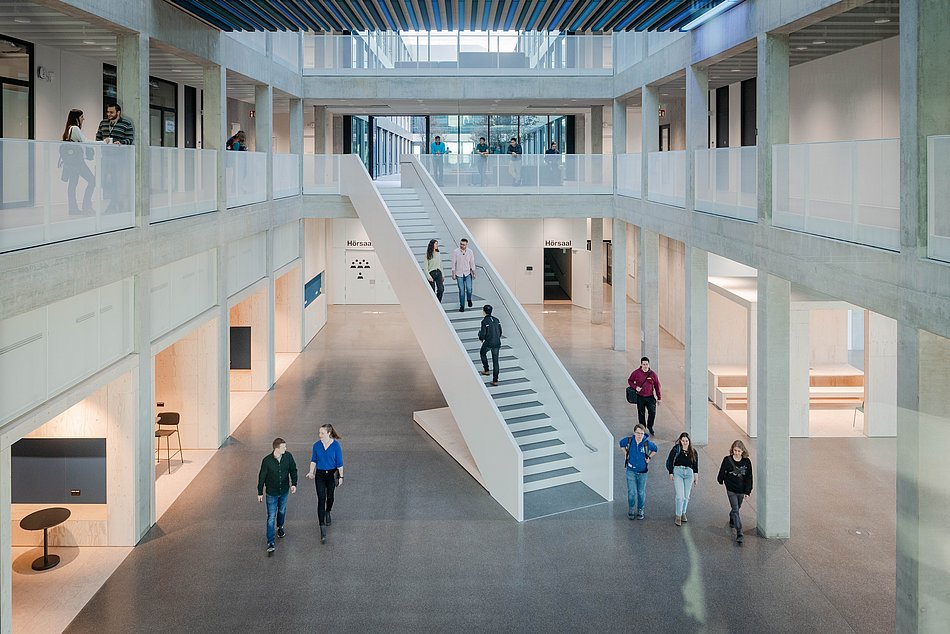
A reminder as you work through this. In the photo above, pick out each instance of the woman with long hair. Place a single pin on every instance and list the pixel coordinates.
(73, 161)
(433, 268)
(736, 473)
(683, 466)
(326, 468)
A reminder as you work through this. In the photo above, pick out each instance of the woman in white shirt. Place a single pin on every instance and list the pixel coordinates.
(73, 161)
(433, 267)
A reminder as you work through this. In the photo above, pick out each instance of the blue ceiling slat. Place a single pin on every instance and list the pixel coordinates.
(635, 15)
(533, 20)
(485, 14)
(658, 14)
(556, 22)
(579, 21)
(436, 15)
(317, 7)
(599, 25)
(263, 15)
(511, 14)
(308, 16)
(684, 14)
(412, 16)
(211, 17)
(388, 17)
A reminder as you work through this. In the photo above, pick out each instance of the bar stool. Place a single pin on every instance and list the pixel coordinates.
(164, 421)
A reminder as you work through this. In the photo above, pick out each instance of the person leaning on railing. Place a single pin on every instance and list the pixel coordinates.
(116, 130)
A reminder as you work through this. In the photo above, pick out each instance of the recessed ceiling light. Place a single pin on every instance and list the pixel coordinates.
(819, 42)
(88, 42)
(801, 48)
(664, 94)
(108, 48)
(734, 70)
(882, 21)
(22, 20)
(175, 70)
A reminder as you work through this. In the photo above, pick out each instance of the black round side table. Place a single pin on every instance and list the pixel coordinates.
(44, 520)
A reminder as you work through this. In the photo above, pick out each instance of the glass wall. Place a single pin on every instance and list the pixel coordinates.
(460, 133)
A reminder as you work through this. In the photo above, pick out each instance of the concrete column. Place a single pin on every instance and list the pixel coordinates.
(697, 125)
(619, 132)
(143, 428)
(580, 135)
(296, 135)
(214, 125)
(649, 134)
(224, 342)
(752, 407)
(597, 130)
(6, 538)
(772, 458)
(596, 270)
(648, 265)
(771, 111)
(264, 130)
(880, 362)
(271, 310)
(799, 324)
(619, 288)
(132, 94)
(322, 130)
(697, 348)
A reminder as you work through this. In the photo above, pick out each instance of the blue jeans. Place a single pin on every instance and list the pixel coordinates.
(636, 491)
(465, 288)
(276, 508)
(682, 485)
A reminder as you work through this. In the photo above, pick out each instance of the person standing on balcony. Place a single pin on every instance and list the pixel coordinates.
(514, 165)
(115, 130)
(736, 473)
(73, 161)
(481, 160)
(647, 385)
(238, 142)
(438, 151)
(463, 272)
(490, 335)
(326, 469)
(278, 476)
(552, 165)
(433, 268)
(683, 466)
(639, 451)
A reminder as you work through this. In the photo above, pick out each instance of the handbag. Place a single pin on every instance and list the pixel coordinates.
(631, 395)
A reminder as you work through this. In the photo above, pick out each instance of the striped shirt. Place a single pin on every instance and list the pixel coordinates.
(121, 131)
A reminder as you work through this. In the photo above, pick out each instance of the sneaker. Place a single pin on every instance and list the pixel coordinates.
(640, 515)
(677, 520)
(494, 383)
(469, 303)
(270, 547)
(328, 518)
(738, 538)
(484, 372)
(631, 516)
(461, 309)
(280, 532)
(683, 517)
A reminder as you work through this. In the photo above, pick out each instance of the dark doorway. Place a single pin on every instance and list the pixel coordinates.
(665, 138)
(747, 112)
(191, 117)
(557, 274)
(722, 117)
(609, 251)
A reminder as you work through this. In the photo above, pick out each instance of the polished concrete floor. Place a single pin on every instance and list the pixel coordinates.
(417, 544)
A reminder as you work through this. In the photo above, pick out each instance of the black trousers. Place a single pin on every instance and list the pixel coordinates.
(326, 485)
(494, 359)
(646, 404)
(436, 283)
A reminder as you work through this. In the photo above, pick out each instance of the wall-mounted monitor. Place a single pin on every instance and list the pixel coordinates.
(58, 471)
(240, 347)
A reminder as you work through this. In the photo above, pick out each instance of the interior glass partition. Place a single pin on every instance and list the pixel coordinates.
(938, 197)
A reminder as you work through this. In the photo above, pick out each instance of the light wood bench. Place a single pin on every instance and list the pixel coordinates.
(829, 386)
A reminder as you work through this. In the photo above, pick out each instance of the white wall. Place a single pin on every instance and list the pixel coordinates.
(315, 262)
(728, 331)
(77, 83)
(344, 288)
(828, 336)
(513, 246)
(672, 289)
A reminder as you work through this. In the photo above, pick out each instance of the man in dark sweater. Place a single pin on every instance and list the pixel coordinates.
(490, 335)
(115, 130)
(279, 476)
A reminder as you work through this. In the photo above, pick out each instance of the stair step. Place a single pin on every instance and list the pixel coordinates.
(543, 448)
(530, 418)
(520, 406)
(477, 358)
(550, 479)
(547, 460)
(502, 383)
(477, 348)
(536, 434)
(500, 395)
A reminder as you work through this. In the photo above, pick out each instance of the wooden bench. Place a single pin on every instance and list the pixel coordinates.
(829, 386)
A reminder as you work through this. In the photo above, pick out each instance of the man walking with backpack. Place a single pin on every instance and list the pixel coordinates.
(647, 384)
(490, 336)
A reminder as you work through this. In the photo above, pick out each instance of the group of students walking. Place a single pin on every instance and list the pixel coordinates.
(682, 462)
(277, 479)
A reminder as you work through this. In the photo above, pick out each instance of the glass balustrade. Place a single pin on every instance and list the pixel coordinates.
(847, 190)
(182, 182)
(286, 49)
(667, 174)
(726, 182)
(629, 174)
(321, 174)
(52, 191)
(286, 175)
(938, 197)
(531, 173)
(246, 177)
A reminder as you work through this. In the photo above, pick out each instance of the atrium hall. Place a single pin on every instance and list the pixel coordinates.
(215, 223)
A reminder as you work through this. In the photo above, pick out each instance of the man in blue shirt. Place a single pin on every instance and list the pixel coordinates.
(279, 475)
(438, 151)
(640, 449)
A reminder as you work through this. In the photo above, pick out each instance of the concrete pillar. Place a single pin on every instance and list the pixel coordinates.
(143, 429)
(6, 538)
(322, 130)
(772, 111)
(296, 135)
(224, 342)
(596, 270)
(697, 125)
(799, 325)
(619, 132)
(214, 124)
(271, 310)
(619, 288)
(648, 265)
(752, 407)
(264, 130)
(580, 135)
(773, 510)
(132, 94)
(649, 134)
(597, 130)
(880, 364)
(697, 349)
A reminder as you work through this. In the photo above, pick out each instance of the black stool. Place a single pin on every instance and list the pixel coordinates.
(166, 420)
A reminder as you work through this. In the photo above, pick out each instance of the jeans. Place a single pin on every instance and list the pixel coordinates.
(682, 485)
(326, 485)
(482, 163)
(646, 404)
(438, 166)
(494, 359)
(735, 503)
(465, 288)
(436, 283)
(276, 508)
(636, 491)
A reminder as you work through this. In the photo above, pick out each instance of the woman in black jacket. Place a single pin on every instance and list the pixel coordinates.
(683, 466)
(736, 473)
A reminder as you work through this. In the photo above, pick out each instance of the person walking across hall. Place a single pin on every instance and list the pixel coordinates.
(326, 469)
(639, 451)
(433, 268)
(736, 473)
(463, 272)
(683, 466)
(490, 335)
(278, 478)
(647, 385)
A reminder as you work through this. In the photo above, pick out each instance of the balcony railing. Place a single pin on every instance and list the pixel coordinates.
(183, 182)
(286, 175)
(938, 197)
(667, 178)
(726, 182)
(846, 190)
(529, 174)
(53, 191)
(321, 174)
(629, 174)
(493, 53)
(247, 178)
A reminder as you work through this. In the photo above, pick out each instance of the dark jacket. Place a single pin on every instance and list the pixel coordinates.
(274, 475)
(677, 456)
(737, 476)
(122, 130)
(490, 332)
